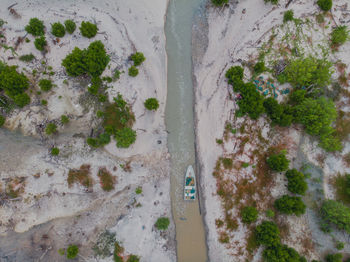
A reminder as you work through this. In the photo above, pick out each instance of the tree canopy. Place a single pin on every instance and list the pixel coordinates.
(296, 182)
(290, 205)
(278, 162)
(267, 233)
(12, 82)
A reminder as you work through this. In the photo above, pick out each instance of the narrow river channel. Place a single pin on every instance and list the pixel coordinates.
(190, 233)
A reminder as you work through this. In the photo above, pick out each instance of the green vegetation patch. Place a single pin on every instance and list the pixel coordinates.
(339, 36)
(249, 214)
(58, 30)
(138, 58)
(290, 205)
(336, 213)
(133, 71)
(325, 5)
(35, 27)
(88, 29)
(72, 251)
(342, 186)
(278, 162)
(40, 43)
(107, 180)
(152, 103)
(162, 223)
(296, 182)
(45, 84)
(50, 129)
(27, 58)
(267, 233)
(81, 175)
(55, 151)
(70, 26)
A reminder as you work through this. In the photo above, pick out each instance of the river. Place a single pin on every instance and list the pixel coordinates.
(190, 235)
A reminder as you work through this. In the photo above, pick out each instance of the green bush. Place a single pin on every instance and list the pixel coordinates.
(27, 58)
(290, 205)
(219, 2)
(227, 162)
(40, 43)
(58, 30)
(278, 162)
(93, 142)
(12, 82)
(309, 71)
(281, 253)
(70, 26)
(269, 213)
(267, 233)
(138, 190)
(234, 76)
(72, 251)
(2, 120)
(162, 223)
(116, 75)
(138, 58)
(133, 258)
(297, 97)
(249, 214)
(50, 129)
(44, 102)
(339, 245)
(259, 68)
(334, 257)
(336, 213)
(21, 100)
(274, 2)
(35, 27)
(45, 84)
(325, 5)
(88, 29)
(288, 16)
(64, 119)
(55, 151)
(92, 60)
(125, 137)
(279, 114)
(296, 182)
(342, 186)
(152, 104)
(251, 102)
(339, 35)
(133, 71)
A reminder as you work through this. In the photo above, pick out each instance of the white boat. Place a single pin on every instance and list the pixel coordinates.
(190, 184)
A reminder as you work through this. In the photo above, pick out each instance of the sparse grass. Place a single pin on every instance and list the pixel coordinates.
(27, 58)
(224, 238)
(219, 223)
(252, 245)
(342, 125)
(138, 190)
(81, 175)
(227, 163)
(346, 159)
(107, 180)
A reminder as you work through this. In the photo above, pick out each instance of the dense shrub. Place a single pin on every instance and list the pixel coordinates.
(267, 233)
(55, 151)
(35, 27)
(125, 137)
(88, 29)
(50, 129)
(70, 26)
(274, 2)
(92, 60)
(281, 253)
(309, 71)
(234, 77)
(58, 30)
(13, 82)
(138, 58)
(27, 58)
(2, 120)
(21, 100)
(336, 213)
(259, 67)
(64, 119)
(219, 2)
(72, 251)
(334, 257)
(339, 245)
(279, 114)
(296, 182)
(40, 43)
(290, 205)
(325, 5)
(342, 185)
(288, 16)
(297, 97)
(249, 214)
(339, 35)
(133, 71)
(251, 102)
(162, 223)
(151, 104)
(45, 84)
(278, 162)
(133, 258)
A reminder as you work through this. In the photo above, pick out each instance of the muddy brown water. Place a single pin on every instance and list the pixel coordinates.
(190, 234)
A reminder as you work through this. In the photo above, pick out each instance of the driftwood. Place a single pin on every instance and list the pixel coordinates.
(289, 2)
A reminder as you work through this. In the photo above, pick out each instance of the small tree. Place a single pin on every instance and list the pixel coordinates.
(267, 233)
(325, 5)
(219, 2)
(138, 58)
(58, 30)
(70, 26)
(288, 16)
(133, 71)
(296, 182)
(162, 223)
(35, 27)
(40, 43)
(21, 100)
(45, 84)
(72, 251)
(278, 162)
(55, 151)
(50, 129)
(96, 59)
(152, 104)
(290, 205)
(234, 76)
(249, 214)
(125, 137)
(88, 29)
(2, 120)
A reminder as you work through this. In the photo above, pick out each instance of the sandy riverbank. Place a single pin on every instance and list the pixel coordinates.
(231, 36)
(70, 214)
